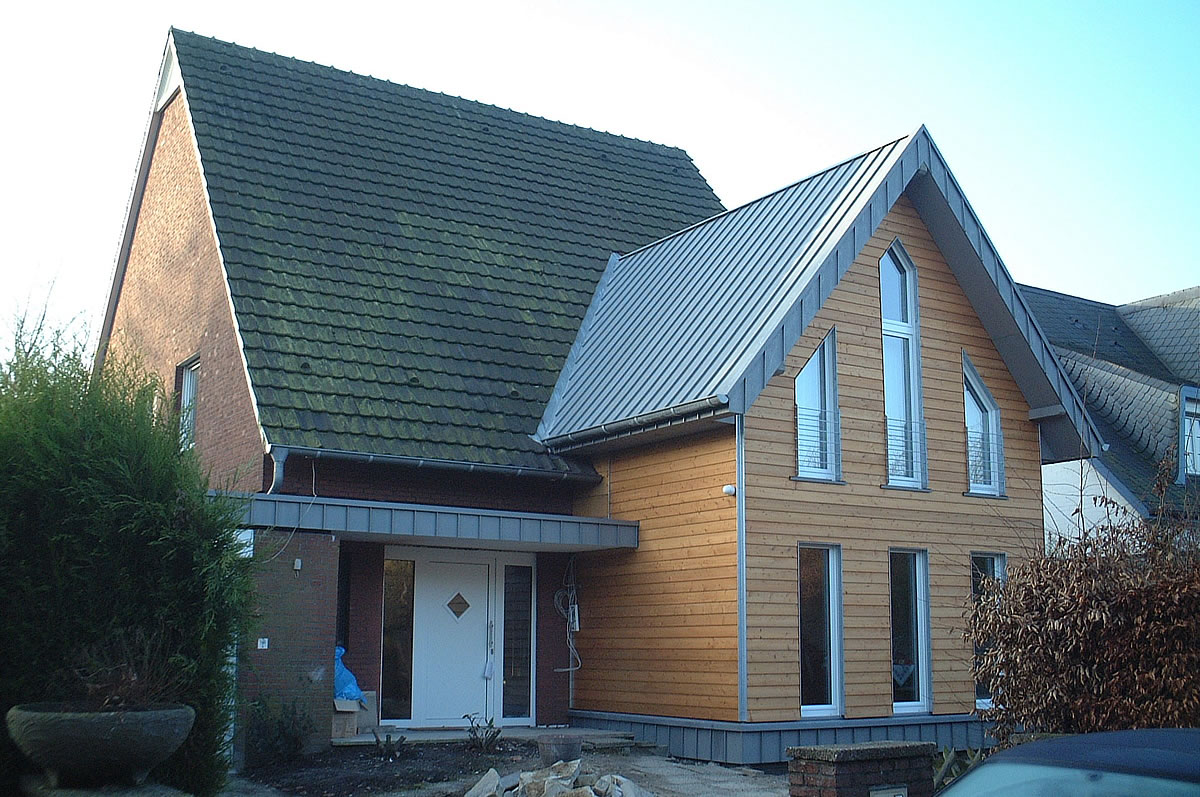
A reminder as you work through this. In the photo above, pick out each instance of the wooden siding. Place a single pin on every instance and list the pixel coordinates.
(866, 520)
(659, 624)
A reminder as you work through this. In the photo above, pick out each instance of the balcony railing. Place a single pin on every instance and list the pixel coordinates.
(985, 461)
(818, 443)
(906, 452)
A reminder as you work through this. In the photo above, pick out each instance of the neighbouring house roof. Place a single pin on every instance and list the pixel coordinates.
(1127, 378)
(408, 269)
(701, 319)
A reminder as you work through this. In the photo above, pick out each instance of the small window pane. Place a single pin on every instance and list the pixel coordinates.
(816, 650)
(893, 289)
(906, 658)
(816, 414)
(897, 379)
(983, 567)
(1191, 436)
(187, 404)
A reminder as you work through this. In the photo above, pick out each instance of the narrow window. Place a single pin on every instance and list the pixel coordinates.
(189, 373)
(818, 425)
(901, 369)
(909, 573)
(1191, 436)
(984, 566)
(819, 568)
(985, 442)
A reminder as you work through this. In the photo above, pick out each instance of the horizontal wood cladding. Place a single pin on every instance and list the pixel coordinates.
(864, 520)
(659, 624)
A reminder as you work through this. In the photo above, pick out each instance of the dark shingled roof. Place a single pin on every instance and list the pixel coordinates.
(1132, 396)
(409, 269)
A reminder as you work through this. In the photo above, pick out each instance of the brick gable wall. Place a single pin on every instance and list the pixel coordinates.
(174, 305)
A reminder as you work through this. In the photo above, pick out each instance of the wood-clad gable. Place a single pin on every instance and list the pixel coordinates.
(863, 519)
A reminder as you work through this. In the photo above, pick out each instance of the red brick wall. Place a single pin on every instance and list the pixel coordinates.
(174, 305)
(553, 688)
(379, 482)
(365, 635)
(296, 613)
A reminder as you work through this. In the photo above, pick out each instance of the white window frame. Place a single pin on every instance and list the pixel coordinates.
(924, 704)
(827, 433)
(974, 383)
(836, 657)
(1189, 433)
(189, 380)
(910, 332)
(999, 571)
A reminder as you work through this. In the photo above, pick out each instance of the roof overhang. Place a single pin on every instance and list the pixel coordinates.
(441, 526)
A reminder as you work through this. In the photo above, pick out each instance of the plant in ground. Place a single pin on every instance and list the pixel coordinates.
(1099, 634)
(107, 531)
(482, 736)
(387, 748)
(275, 732)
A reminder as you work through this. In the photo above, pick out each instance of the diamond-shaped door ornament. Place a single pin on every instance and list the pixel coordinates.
(458, 604)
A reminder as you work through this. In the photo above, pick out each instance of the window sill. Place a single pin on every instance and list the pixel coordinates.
(910, 709)
(905, 488)
(993, 496)
(816, 479)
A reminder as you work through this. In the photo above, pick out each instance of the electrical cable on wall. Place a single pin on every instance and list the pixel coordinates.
(566, 601)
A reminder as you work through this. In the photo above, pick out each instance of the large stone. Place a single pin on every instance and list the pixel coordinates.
(551, 781)
(487, 786)
(618, 786)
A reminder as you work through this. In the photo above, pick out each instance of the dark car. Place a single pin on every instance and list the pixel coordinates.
(1142, 763)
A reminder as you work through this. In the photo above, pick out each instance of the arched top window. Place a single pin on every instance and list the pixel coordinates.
(902, 369)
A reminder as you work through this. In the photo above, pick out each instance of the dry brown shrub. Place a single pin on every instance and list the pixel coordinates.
(1101, 633)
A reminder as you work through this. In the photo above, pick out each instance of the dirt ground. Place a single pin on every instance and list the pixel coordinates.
(418, 768)
(449, 769)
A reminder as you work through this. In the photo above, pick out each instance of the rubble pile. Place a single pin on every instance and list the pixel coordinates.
(564, 779)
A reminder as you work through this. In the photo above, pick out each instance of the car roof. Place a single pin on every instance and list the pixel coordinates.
(1157, 752)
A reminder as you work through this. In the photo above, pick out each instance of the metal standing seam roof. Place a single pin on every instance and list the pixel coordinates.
(706, 316)
(670, 320)
(408, 269)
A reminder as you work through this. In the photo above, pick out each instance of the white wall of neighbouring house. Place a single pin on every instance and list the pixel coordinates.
(1070, 493)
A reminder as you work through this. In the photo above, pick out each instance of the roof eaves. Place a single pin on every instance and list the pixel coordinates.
(680, 413)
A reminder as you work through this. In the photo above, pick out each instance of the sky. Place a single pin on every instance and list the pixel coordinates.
(1073, 127)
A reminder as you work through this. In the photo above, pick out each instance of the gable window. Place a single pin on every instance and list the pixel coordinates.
(984, 566)
(985, 442)
(909, 575)
(820, 603)
(818, 425)
(902, 369)
(1191, 436)
(189, 373)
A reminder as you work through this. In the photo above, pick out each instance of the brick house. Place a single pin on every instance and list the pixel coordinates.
(726, 489)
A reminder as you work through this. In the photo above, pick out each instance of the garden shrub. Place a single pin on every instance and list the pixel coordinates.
(275, 731)
(108, 531)
(1101, 633)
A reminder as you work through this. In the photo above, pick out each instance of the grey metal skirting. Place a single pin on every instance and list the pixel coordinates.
(398, 523)
(766, 742)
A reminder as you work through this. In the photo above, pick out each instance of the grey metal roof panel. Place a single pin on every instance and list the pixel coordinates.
(649, 343)
(709, 313)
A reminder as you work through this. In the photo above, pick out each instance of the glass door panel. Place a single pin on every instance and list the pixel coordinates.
(396, 701)
(518, 639)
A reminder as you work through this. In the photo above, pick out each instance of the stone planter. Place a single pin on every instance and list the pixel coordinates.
(559, 747)
(88, 748)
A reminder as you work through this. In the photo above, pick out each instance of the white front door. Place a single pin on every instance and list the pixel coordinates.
(457, 637)
(451, 611)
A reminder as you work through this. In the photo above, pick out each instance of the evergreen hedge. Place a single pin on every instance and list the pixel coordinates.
(108, 532)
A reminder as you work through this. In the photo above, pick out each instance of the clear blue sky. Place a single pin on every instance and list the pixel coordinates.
(1073, 127)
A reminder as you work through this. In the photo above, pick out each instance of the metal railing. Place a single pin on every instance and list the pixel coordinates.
(906, 451)
(985, 461)
(818, 443)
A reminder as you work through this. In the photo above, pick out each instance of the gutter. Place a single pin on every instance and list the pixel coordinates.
(279, 455)
(626, 426)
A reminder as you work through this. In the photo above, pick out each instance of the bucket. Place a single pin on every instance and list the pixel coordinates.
(559, 747)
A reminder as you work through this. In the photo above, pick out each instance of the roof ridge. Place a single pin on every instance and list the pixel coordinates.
(312, 63)
(767, 196)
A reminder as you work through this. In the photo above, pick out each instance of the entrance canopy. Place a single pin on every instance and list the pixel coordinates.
(448, 526)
